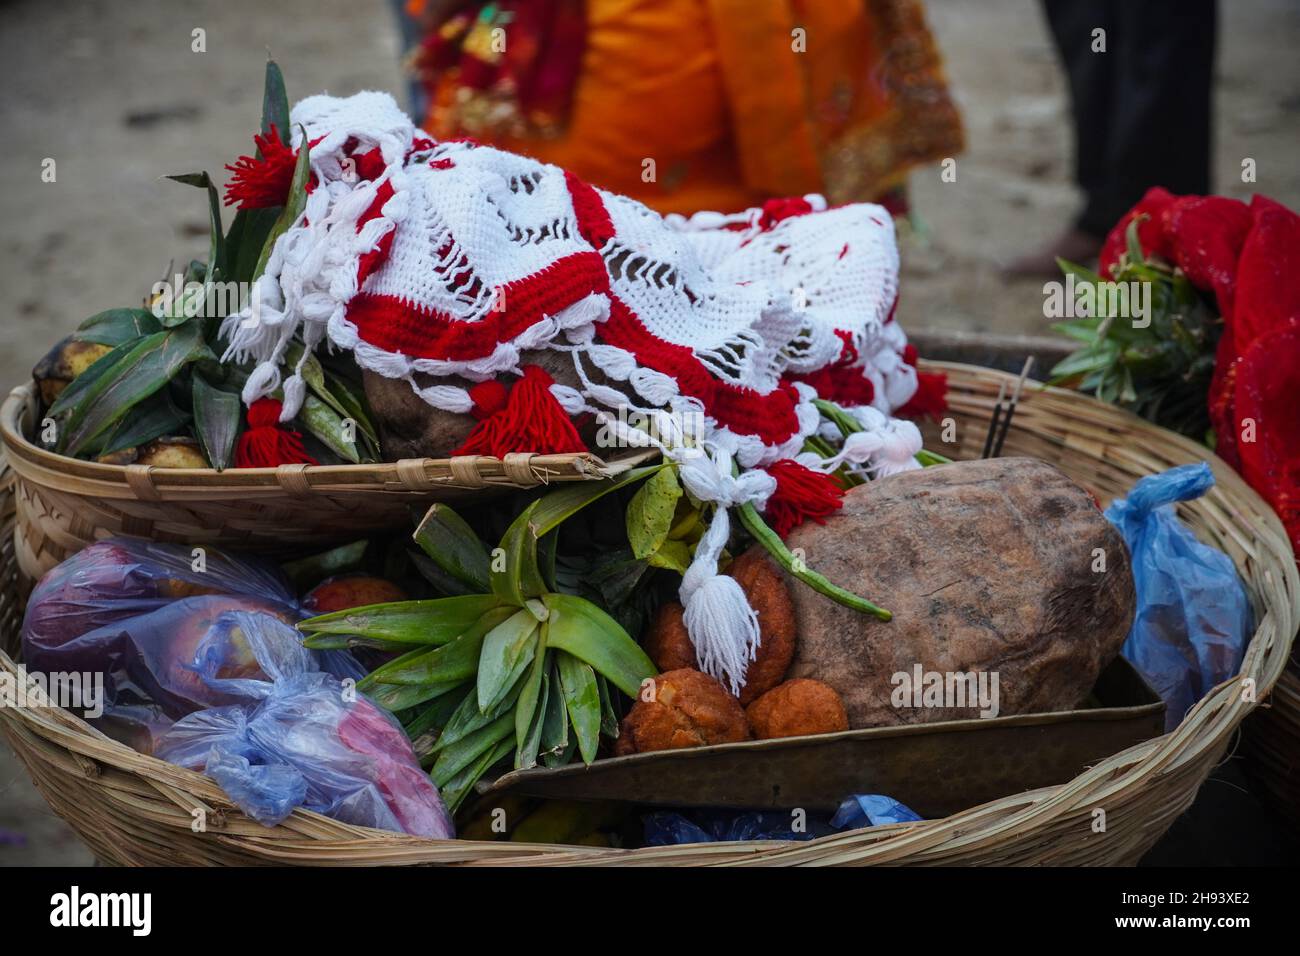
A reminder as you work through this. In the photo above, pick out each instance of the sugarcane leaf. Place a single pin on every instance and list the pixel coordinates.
(154, 362)
(292, 209)
(514, 571)
(88, 383)
(435, 621)
(327, 425)
(556, 507)
(589, 634)
(457, 756)
(456, 660)
(507, 649)
(651, 510)
(153, 418)
(451, 544)
(216, 420)
(113, 327)
(582, 699)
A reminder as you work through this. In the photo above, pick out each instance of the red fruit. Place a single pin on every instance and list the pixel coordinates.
(346, 591)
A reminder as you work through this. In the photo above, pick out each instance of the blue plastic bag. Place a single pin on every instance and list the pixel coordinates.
(1193, 617)
(296, 736)
(669, 828)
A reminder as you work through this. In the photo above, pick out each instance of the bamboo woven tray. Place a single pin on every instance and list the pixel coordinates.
(134, 809)
(63, 504)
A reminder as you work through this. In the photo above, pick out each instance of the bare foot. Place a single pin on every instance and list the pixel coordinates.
(1073, 245)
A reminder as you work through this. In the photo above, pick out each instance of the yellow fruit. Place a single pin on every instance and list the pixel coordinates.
(61, 364)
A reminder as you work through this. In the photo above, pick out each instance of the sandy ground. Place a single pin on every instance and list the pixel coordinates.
(115, 95)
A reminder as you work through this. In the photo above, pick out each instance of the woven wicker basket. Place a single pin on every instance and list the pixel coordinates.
(1271, 746)
(64, 504)
(133, 809)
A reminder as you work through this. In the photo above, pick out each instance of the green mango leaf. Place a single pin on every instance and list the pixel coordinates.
(451, 544)
(113, 327)
(149, 366)
(518, 577)
(582, 699)
(507, 649)
(216, 421)
(650, 512)
(589, 634)
(456, 757)
(435, 621)
(275, 102)
(292, 210)
(327, 425)
(454, 661)
(155, 417)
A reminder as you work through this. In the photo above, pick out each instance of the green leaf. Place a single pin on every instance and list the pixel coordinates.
(216, 421)
(672, 556)
(582, 699)
(530, 708)
(456, 660)
(1132, 240)
(468, 718)
(1082, 274)
(455, 790)
(650, 512)
(608, 716)
(305, 572)
(589, 634)
(434, 621)
(451, 544)
(507, 649)
(147, 367)
(155, 417)
(327, 425)
(293, 208)
(1078, 363)
(113, 327)
(456, 757)
(275, 102)
(395, 698)
(216, 242)
(246, 239)
(555, 726)
(556, 507)
(519, 577)
(73, 394)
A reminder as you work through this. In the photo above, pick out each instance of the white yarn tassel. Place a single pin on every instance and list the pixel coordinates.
(721, 624)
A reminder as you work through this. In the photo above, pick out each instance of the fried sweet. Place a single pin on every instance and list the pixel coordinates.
(688, 709)
(796, 708)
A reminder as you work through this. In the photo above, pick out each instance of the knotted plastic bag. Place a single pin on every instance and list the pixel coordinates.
(296, 736)
(1193, 617)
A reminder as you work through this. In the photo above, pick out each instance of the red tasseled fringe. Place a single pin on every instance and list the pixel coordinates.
(931, 398)
(262, 182)
(525, 418)
(266, 443)
(801, 495)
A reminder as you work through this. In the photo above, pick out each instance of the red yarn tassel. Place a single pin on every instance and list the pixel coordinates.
(265, 443)
(931, 398)
(525, 418)
(801, 495)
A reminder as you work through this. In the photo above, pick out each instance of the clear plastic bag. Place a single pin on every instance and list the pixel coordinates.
(1193, 616)
(302, 737)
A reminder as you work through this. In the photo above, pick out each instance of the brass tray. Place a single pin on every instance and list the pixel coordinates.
(936, 769)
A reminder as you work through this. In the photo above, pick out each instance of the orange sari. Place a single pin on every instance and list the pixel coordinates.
(721, 104)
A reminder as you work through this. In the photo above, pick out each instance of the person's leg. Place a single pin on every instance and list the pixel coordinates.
(1160, 133)
(1092, 81)
(1092, 84)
